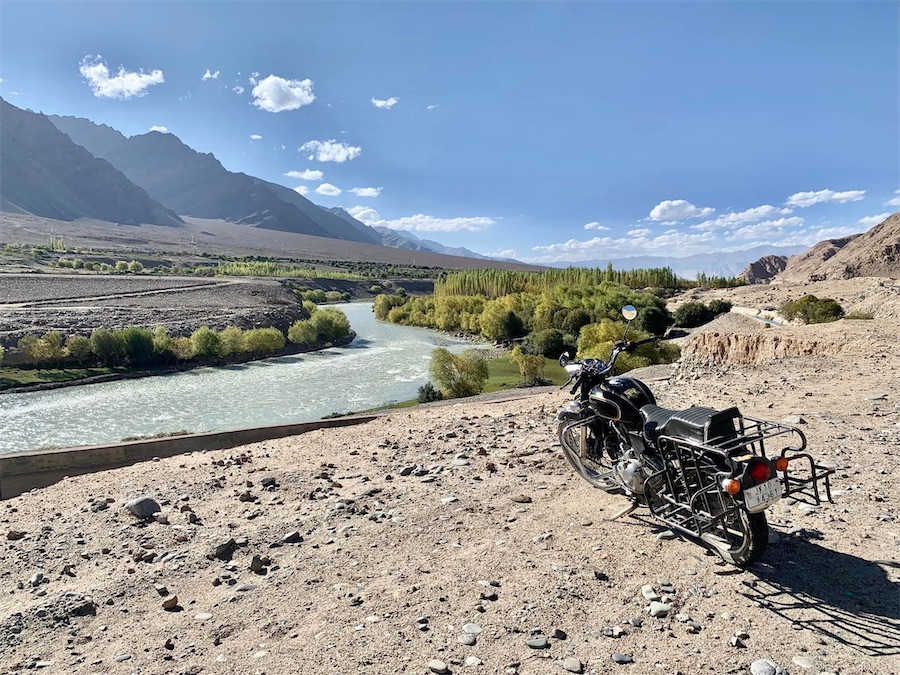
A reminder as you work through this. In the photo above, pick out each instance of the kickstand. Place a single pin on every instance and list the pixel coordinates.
(624, 512)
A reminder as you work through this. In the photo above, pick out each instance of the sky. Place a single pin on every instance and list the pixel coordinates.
(544, 131)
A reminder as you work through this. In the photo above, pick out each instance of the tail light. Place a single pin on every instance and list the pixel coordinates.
(760, 471)
(781, 464)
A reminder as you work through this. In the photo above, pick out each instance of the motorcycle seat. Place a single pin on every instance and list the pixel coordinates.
(655, 419)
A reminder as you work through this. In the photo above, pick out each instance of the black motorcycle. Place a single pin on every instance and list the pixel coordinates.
(703, 473)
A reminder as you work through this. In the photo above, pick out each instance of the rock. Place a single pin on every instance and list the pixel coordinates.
(162, 590)
(473, 661)
(804, 661)
(794, 419)
(649, 593)
(622, 658)
(636, 622)
(36, 579)
(449, 500)
(737, 643)
(161, 518)
(874, 397)
(521, 499)
(559, 634)
(572, 665)
(170, 602)
(467, 639)
(14, 535)
(203, 616)
(292, 538)
(600, 575)
(143, 507)
(437, 666)
(245, 588)
(257, 565)
(766, 667)
(665, 535)
(224, 549)
(123, 657)
(538, 643)
(472, 628)
(659, 609)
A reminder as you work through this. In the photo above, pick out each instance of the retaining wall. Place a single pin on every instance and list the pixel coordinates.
(23, 471)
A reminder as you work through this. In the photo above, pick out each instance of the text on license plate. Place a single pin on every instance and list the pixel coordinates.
(760, 496)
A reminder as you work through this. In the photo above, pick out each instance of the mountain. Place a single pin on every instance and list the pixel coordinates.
(875, 253)
(43, 173)
(409, 241)
(763, 269)
(719, 264)
(196, 184)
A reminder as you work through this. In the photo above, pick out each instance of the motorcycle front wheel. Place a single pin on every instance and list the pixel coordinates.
(583, 449)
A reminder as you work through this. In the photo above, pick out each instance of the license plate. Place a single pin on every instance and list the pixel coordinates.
(760, 496)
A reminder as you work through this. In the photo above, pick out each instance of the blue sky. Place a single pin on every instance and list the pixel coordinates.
(547, 131)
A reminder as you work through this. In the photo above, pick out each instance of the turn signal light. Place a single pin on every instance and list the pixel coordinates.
(781, 464)
(732, 486)
(760, 472)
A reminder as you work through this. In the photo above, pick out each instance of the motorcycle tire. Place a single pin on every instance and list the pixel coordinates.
(755, 537)
(592, 471)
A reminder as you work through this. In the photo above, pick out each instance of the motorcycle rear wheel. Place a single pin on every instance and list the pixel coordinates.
(753, 537)
(594, 468)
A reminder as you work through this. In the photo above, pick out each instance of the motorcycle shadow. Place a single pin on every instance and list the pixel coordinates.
(849, 599)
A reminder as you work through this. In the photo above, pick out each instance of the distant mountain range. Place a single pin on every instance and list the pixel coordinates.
(712, 264)
(42, 172)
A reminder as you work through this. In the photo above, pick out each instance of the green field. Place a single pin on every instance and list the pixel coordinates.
(504, 374)
(10, 377)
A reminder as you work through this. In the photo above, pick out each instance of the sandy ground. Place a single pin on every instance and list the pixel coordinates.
(408, 528)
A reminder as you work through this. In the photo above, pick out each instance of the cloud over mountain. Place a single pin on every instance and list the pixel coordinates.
(330, 151)
(123, 85)
(276, 94)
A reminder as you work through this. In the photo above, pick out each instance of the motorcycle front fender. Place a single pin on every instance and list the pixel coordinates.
(574, 410)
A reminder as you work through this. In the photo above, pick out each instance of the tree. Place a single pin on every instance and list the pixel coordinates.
(331, 324)
(459, 374)
(653, 320)
(2, 352)
(79, 347)
(263, 341)
(531, 367)
(548, 342)
(137, 345)
(182, 348)
(597, 339)
(205, 341)
(162, 343)
(691, 314)
(135, 266)
(121, 266)
(810, 309)
(231, 341)
(106, 346)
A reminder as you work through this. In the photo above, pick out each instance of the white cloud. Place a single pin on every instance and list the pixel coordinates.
(210, 76)
(366, 192)
(328, 190)
(596, 226)
(505, 253)
(894, 201)
(302, 189)
(678, 209)
(430, 107)
(276, 94)
(640, 232)
(308, 174)
(386, 103)
(238, 89)
(255, 137)
(330, 151)
(123, 85)
(804, 199)
(767, 228)
(422, 222)
(1, 80)
(741, 217)
(161, 130)
(669, 243)
(872, 221)
(252, 77)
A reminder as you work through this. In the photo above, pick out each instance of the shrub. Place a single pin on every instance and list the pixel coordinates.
(262, 341)
(107, 347)
(376, 289)
(79, 347)
(137, 345)
(310, 307)
(459, 374)
(2, 352)
(231, 341)
(331, 324)
(860, 316)
(548, 342)
(597, 339)
(653, 320)
(385, 303)
(428, 393)
(121, 266)
(810, 309)
(531, 367)
(719, 307)
(302, 333)
(691, 314)
(162, 343)
(206, 341)
(333, 296)
(182, 348)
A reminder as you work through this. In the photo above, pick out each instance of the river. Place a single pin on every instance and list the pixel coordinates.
(385, 363)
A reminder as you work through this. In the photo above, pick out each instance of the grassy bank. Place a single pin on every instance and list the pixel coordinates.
(17, 377)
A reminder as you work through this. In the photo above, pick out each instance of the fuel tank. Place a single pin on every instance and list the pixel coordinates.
(621, 398)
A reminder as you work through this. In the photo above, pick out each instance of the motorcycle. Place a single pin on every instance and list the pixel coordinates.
(707, 474)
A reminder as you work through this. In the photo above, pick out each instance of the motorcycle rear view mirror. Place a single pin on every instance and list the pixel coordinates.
(564, 359)
(629, 312)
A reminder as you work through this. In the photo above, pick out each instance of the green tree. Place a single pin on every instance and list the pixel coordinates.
(107, 347)
(182, 348)
(548, 342)
(302, 333)
(206, 341)
(810, 309)
(2, 352)
(79, 347)
(653, 320)
(231, 341)
(162, 343)
(428, 393)
(531, 367)
(597, 339)
(263, 341)
(691, 314)
(459, 374)
(135, 266)
(121, 266)
(137, 345)
(331, 324)
(26, 345)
